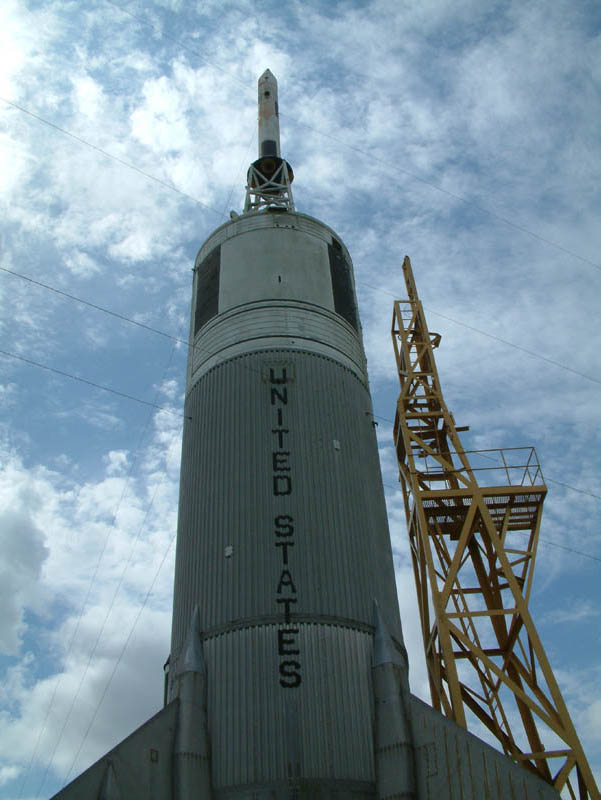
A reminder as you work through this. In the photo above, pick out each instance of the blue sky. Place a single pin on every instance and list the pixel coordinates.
(464, 134)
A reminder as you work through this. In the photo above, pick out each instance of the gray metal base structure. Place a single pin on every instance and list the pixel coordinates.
(450, 764)
(416, 753)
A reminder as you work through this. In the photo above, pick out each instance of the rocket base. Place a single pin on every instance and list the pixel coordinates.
(449, 763)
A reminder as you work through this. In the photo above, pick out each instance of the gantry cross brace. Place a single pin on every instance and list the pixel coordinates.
(270, 188)
(473, 534)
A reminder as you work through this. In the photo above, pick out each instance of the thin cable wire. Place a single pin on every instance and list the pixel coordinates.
(120, 657)
(99, 637)
(541, 538)
(121, 161)
(167, 185)
(182, 44)
(190, 345)
(90, 383)
(567, 549)
(492, 336)
(388, 164)
(241, 171)
(182, 341)
(159, 332)
(391, 166)
(92, 582)
(547, 479)
(95, 306)
(373, 158)
(197, 349)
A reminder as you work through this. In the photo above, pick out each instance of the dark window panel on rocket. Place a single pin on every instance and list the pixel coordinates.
(342, 285)
(207, 289)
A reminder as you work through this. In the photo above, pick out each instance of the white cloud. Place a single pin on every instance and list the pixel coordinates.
(89, 96)
(81, 264)
(23, 553)
(116, 462)
(91, 561)
(160, 123)
(20, 41)
(8, 774)
(7, 394)
(582, 610)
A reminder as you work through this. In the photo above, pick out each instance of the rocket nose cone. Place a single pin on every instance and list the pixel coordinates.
(267, 76)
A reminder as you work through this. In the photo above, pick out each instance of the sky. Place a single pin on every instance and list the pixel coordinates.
(464, 134)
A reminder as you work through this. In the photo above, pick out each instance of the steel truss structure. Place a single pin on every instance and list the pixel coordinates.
(268, 185)
(473, 534)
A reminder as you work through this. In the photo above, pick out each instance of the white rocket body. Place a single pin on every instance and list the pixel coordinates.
(283, 541)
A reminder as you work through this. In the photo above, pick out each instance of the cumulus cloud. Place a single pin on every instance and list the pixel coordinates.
(77, 556)
(23, 554)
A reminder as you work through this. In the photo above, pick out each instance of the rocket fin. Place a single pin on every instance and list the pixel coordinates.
(193, 660)
(451, 762)
(393, 737)
(192, 752)
(109, 788)
(138, 768)
(384, 650)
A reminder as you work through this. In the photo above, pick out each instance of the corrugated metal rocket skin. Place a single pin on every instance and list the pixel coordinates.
(283, 540)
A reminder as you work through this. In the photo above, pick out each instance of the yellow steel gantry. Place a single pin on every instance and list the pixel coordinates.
(473, 534)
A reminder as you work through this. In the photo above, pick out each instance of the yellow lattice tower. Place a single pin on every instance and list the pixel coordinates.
(473, 534)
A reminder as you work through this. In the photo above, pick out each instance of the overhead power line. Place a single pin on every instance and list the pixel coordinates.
(384, 163)
(568, 549)
(142, 527)
(491, 336)
(103, 309)
(390, 166)
(190, 345)
(183, 45)
(105, 153)
(90, 383)
(111, 529)
(541, 538)
(120, 657)
(387, 164)
(183, 341)
(159, 332)
(547, 479)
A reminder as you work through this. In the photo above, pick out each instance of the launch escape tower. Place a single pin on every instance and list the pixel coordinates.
(473, 533)
(288, 676)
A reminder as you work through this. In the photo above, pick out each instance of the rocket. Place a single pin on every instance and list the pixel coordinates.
(288, 676)
(283, 541)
